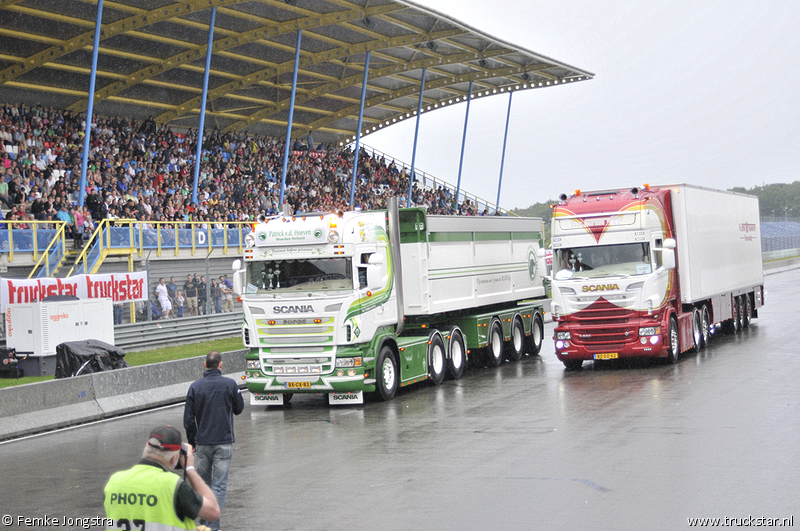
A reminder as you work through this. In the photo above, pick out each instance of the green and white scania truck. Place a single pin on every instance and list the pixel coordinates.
(359, 302)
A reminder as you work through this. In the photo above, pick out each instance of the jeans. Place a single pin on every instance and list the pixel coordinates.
(213, 462)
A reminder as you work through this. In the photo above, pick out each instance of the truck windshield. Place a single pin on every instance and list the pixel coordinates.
(602, 261)
(312, 274)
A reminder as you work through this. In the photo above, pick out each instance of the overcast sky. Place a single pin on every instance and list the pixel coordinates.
(705, 93)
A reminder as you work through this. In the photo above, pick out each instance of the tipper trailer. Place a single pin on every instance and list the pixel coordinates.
(349, 303)
(652, 271)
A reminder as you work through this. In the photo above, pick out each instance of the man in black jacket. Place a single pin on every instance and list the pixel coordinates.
(211, 403)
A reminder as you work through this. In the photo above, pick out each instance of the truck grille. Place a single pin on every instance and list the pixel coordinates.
(605, 324)
(296, 345)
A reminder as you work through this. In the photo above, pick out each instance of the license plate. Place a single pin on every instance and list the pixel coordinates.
(607, 356)
(295, 385)
(346, 398)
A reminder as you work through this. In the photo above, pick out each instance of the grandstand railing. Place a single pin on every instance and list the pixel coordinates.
(127, 236)
(433, 183)
(52, 255)
(24, 236)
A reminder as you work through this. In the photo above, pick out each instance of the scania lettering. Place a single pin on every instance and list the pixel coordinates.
(348, 303)
(652, 271)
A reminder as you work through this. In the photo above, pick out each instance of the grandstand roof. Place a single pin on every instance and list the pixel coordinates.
(152, 57)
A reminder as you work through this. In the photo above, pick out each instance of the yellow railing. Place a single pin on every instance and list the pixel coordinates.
(31, 228)
(127, 236)
(59, 239)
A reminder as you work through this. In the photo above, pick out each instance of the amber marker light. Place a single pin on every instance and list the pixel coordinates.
(317, 321)
(270, 322)
(369, 294)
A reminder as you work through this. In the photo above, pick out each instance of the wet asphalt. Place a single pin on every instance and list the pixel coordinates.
(614, 446)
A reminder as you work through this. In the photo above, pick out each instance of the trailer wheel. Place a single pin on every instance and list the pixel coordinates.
(705, 319)
(515, 347)
(494, 351)
(386, 381)
(457, 350)
(537, 334)
(747, 311)
(436, 361)
(737, 315)
(674, 343)
(697, 330)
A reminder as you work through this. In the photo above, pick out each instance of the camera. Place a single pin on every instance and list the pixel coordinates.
(178, 465)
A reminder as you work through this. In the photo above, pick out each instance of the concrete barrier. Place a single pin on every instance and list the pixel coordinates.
(44, 406)
(47, 405)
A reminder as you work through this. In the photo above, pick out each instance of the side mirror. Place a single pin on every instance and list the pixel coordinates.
(375, 277)
(668, 257)
(237, 265)
(238, 277)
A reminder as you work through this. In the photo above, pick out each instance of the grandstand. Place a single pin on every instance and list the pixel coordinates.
(153, 198)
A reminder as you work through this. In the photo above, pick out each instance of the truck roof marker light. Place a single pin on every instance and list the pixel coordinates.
(647, 187)
(577, 193)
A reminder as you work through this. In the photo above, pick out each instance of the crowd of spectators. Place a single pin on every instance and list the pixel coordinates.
(143, 171)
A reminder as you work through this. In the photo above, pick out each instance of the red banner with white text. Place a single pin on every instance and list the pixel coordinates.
(122, 287)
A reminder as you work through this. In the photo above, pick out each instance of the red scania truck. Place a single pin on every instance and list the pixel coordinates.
(652, 271)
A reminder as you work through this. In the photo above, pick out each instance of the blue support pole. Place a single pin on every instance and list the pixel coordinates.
(90, 109)
(201, 127)
(291, 117)
(463, 142)
(416, 135)
(358, 131)
(503, 158)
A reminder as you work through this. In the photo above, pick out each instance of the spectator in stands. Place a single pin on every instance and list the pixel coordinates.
(178, 304)
(226, 288)
(172, 289)
(216, 295)
(163, 299)
(202, 297)
(190, 289)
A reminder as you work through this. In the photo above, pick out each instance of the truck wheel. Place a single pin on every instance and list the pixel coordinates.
(573, 365)
(436, 362)
(737, 315)
(287, 397)
(705, 327)
(456, 359)
(697, 330)
(516, 345)
(494, 351)
(537, 334)
(386, 381)
(747, 311)
(674, 343)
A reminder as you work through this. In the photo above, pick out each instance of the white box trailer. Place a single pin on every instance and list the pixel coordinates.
(718, 236)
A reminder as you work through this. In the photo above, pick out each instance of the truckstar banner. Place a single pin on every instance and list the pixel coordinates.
(122, 287)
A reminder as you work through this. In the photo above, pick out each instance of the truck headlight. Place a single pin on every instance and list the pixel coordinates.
(650, 331)
(253, 364)
(250, 240)
(333, 236)
(348, 362)
(563, 336)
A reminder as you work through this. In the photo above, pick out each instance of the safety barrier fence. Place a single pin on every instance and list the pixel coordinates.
(53, 404)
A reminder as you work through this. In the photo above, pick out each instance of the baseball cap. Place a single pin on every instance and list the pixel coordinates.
(165, 438)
